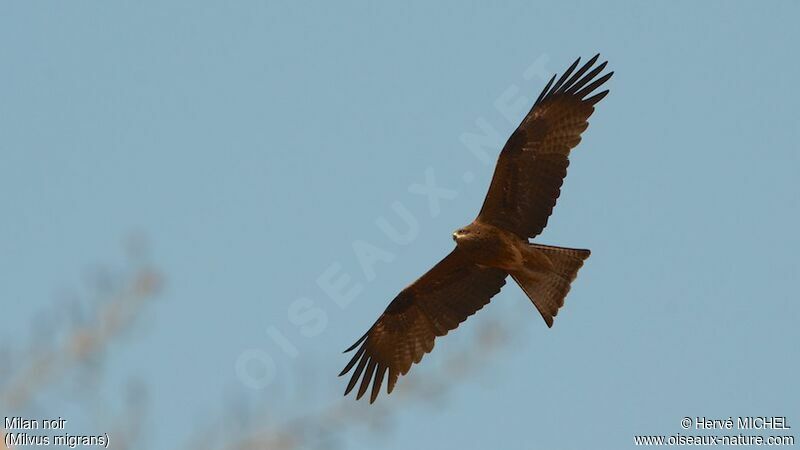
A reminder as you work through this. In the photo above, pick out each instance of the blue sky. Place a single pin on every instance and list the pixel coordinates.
(256, 143)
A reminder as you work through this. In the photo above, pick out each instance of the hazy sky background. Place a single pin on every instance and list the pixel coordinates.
(254, 142)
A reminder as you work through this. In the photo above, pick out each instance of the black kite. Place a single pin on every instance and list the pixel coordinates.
(526, 183)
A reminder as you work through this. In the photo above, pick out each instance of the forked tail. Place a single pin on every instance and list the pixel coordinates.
(547, 288)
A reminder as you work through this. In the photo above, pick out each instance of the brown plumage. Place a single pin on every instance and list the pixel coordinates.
(524, 189)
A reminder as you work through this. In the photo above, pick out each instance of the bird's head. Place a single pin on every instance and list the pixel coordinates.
(460, 233)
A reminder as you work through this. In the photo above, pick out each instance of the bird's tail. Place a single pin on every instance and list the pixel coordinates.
(547, 287)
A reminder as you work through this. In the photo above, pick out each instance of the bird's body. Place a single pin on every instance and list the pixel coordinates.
(490, 246)
(524, 189)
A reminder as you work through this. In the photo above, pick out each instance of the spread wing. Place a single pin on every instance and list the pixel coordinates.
(438, 302)
(533, 163)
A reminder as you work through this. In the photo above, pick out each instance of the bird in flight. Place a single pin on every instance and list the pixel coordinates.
(524, 189)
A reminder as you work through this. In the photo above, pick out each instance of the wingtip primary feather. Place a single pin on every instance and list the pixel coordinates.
(353, 360)
(593, 100)
(393, 376)
(544, 91)
(564, 77)
(360, 340)
(380, 372)
(356, 374)
(577, 75)
(593, 85)
(368, 374)
(579, 84)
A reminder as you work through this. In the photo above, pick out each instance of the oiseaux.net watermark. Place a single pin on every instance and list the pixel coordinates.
(727, 431)
(256, 368)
